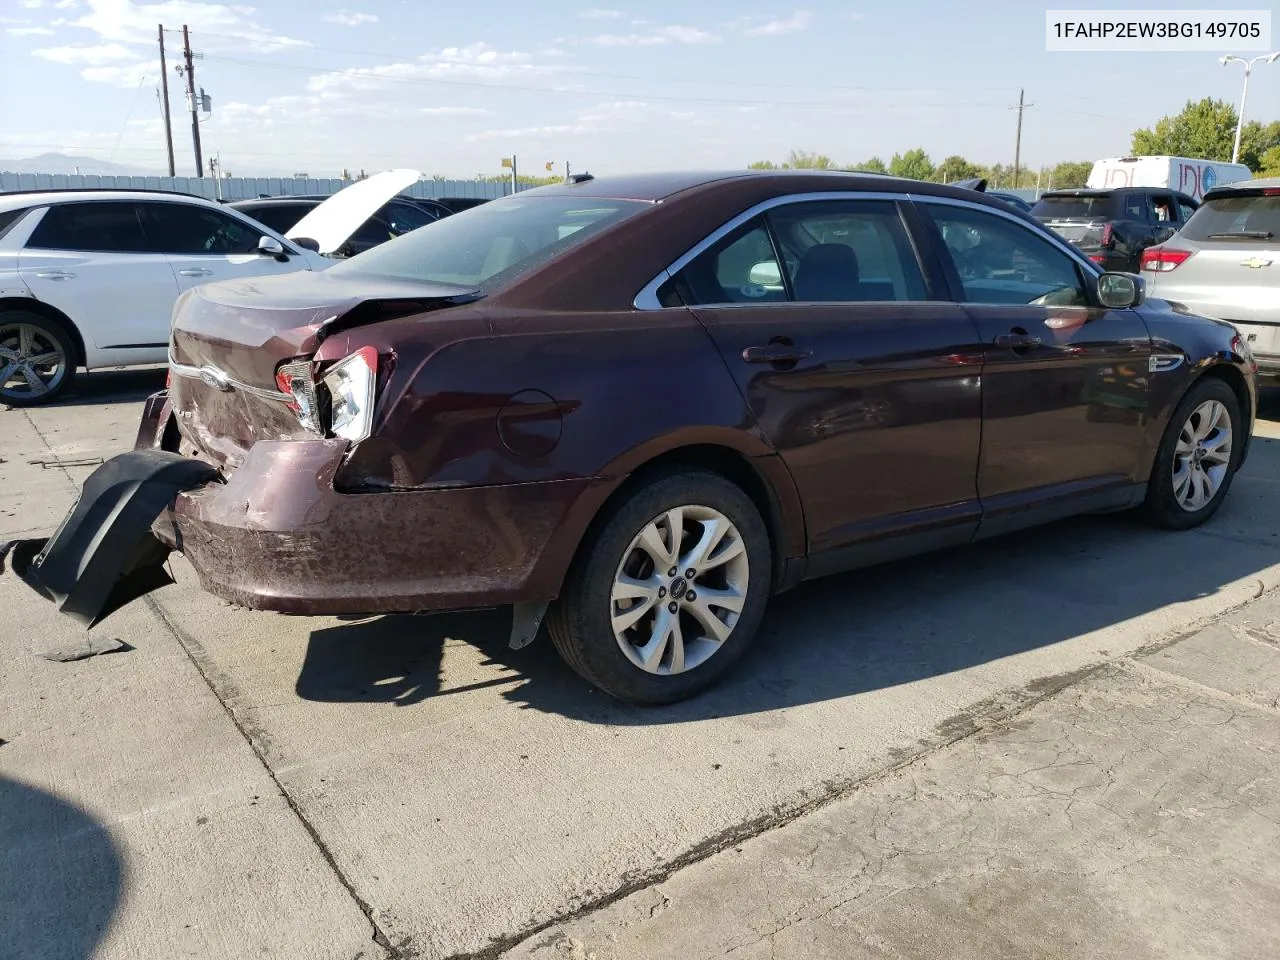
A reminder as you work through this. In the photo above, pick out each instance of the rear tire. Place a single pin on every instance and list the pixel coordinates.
(37, 359)
(1197, 459)
(651, 635)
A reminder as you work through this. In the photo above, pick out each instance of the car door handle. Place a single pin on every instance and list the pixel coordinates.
(55, 275)
(776, 353)
(195, 272)
(1017, 340)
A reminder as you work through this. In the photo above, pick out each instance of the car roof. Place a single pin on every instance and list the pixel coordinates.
(655, 187)
(12, 199)
(1261, 183)
(277, 202)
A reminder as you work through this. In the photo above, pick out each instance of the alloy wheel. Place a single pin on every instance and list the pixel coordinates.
(679, 591)
(32, 363)
(1202, 456)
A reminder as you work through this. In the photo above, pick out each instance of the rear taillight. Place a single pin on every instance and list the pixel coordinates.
(352, 383)
(1106, 235)
(1097, 258)
(1163, 259)
(296, 380)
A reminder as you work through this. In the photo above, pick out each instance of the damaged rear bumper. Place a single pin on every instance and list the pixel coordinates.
(104, 554)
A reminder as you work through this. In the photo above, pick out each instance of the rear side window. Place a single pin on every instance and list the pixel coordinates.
(740, 268)
(98, 227)
(1242, 219)
(8, 218)
(183, 228)
(1052, 208)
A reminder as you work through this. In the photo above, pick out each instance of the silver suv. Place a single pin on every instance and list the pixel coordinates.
(1225, 263)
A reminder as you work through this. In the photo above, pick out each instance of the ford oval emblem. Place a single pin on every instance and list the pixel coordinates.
(213, 377)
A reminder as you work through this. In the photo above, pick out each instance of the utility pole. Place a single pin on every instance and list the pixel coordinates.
(191, 99)
(1017, 148)
(514, 182)
(164, 94)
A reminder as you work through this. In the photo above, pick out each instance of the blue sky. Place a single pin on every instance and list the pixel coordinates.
(451, 88)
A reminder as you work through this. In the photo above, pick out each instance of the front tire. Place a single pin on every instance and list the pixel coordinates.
(1197, 459)
(664, 598)
(37, 359)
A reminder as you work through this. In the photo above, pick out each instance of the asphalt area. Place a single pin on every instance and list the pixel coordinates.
(237, 784)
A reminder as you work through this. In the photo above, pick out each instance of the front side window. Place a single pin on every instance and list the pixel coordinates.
(183, 228)
(494, 242)
(98, 227)
(1165, 209)
(1000, 261)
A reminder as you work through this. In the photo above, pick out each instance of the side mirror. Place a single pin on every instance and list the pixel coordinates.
(271, 247)
(766, 274)
(306, 243)
(1120, 291)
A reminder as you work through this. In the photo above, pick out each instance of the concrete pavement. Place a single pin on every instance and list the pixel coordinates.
(417, 781)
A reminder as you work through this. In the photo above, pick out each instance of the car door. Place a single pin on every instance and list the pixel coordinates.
(203, 244)
(90, 260)
(853, 364)
(1064, 395)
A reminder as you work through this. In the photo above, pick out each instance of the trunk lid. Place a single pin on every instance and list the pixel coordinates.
(229, 339)
(1228, 280)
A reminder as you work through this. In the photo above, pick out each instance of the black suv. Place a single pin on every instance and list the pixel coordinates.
(399, 215)
(1113, 227)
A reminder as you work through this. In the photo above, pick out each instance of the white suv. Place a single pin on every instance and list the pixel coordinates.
(88, 278)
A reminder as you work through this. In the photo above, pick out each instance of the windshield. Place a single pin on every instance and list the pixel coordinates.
(1055, 207)
(490, 244)
(1236, 218)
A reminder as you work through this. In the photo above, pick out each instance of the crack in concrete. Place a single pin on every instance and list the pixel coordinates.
(189, 647)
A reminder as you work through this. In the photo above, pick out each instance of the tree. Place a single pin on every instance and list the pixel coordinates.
(914, 164)
(762, 165)
(1204, 130)
(874, 165)
(1255, 140)
(1070, 173)
(1269, 163)
(956, 168)
(805, 160)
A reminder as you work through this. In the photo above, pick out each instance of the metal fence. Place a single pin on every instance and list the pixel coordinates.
(240, 188)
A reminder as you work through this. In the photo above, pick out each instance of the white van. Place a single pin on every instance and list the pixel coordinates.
(1192, 177)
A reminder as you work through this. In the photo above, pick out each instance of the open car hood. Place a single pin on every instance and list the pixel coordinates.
(333, 222)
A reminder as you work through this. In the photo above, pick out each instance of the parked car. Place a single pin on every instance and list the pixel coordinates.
(396, 217)
(88, 278)
(1113, 227)
(458, 204)
(1225, 263)
(1012, 199)
(592, 401)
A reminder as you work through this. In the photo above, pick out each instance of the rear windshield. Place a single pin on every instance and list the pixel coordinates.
(486, 246)
(1238, 219)
(1055, 207)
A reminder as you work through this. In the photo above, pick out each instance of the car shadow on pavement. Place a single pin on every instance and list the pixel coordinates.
(125, 385)
(61, 879)
(843, 635)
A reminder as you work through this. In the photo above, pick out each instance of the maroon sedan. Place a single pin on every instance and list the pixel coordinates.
(643, 405)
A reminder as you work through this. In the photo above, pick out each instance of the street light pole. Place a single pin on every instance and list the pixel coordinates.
(1248, 69)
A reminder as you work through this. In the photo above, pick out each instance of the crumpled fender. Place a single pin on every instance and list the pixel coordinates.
(104, 554)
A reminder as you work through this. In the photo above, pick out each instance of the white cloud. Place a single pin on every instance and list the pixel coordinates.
(453, 112)
(92, 56)
(212, 24)
(798, 22)
(595, 13)
(477, 61)
(29, 32)
(654, 38)
(66, 4)
(347, 19)
(127, 75)
(530, 133)
(33, 4)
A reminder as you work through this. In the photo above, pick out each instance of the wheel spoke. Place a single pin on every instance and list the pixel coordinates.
(38, 386)
(731, 599)
(1181, 480)
(716, 628)
(629, 588)
(44, 359)
(25, 340)
(8, 353)
(8, 370)
(664, 625)
(629, 617)
(675, 530)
